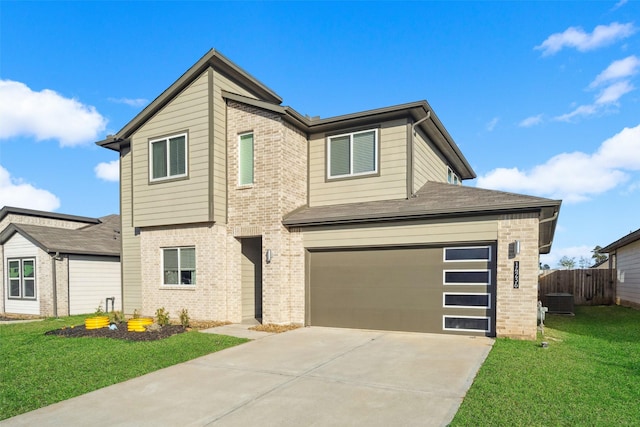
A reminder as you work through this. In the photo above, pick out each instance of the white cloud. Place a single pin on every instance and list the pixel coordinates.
(575, 252)
(46, 115)
(611, 94)
(576, 37)
(619, 4)
(583, 110)
(617, 69)
(531, 121)
(492, 124)
(575, 176)
(108, 171)
(132, 102)
(14, 192)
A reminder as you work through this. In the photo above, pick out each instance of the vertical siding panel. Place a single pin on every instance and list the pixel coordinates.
(130, 256)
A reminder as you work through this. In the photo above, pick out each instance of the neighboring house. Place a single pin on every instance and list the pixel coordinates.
(624, 254)
(56, 264)
(237, 208)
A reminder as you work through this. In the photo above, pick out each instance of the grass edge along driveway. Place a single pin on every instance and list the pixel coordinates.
(589, 374)
(39, 370)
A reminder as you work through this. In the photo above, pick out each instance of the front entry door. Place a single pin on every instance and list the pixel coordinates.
(251, 277)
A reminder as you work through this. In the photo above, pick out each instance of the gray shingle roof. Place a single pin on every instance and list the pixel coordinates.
(432, 200)
(623, 241)
(99, 239)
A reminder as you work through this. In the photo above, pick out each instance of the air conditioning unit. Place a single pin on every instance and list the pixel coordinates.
(560, 303)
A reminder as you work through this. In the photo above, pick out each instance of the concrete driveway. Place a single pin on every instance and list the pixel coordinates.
(306, 377)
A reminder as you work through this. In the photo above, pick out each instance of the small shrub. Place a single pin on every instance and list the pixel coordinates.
(116, 317)
(184, 318)
(136, 314)
(99, 311)
(162, 316)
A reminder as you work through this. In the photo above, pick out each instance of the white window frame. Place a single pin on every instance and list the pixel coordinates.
(452, 177)
(351, 135)
(166, 141)
(195, 270)
(488, 318)
(444, 275)
(21, 280)
(253, 160)
(481, 307)
(444, 254)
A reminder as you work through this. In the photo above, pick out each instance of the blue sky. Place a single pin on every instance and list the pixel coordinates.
(542, 97)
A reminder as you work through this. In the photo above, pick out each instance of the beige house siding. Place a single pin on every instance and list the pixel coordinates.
(429, 164)
(221, 82)
(165, 202)
(391, 183)
(516, 309)
(628, 268)
(411, 233)
(130, 259)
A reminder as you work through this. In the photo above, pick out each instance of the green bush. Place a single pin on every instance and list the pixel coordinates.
(162, 317)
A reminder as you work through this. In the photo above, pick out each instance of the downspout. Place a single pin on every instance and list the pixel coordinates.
(411, 155)
(54, 283)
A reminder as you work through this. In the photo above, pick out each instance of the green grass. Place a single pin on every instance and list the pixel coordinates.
(588, 376)
(38, 370)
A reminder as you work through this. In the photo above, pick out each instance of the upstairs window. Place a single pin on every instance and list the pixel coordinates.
(179, 266)
(353, 154)
(22, 278)
(168, 157)
(245, 159)
(452, 178)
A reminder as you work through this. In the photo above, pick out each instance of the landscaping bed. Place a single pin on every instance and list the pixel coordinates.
(121, 333)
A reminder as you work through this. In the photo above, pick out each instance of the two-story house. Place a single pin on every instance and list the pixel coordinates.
(238, 208)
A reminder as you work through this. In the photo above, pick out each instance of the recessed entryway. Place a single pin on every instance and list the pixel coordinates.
(251, 278)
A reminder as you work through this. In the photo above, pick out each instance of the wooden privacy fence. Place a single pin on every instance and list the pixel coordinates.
(589, 286)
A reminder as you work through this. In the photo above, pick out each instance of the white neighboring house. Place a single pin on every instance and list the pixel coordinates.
(58, 265)
(624, 254)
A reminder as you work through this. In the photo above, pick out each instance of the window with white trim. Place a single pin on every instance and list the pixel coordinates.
(467, 277)
(245, 159)
(466, 300)
(466, 323)
(452, 177)
(352, 154)
(179, 266)
(168, 157)
(467, 254)
(21, 275)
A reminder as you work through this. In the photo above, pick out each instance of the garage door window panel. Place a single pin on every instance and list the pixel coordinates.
(466, 300)
(466, 323)
(467, 254)
(467, 277)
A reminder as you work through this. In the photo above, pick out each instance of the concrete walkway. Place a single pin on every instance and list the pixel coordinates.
(306, 377)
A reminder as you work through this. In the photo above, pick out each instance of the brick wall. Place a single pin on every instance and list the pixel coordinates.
(206, 299)
(516, 308)
(280, 186)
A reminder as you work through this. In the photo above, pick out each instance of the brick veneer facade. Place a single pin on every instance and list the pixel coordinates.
(516, 308)
(280, 170)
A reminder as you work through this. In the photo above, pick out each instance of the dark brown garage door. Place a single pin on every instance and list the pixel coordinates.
(402, 289)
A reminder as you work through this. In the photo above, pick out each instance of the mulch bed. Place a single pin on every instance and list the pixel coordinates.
(121, 333)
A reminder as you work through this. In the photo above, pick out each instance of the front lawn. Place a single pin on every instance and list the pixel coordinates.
(589, 375)
(38, 370)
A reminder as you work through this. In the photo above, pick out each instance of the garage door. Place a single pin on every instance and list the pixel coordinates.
(92, 279)
(439, 290)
